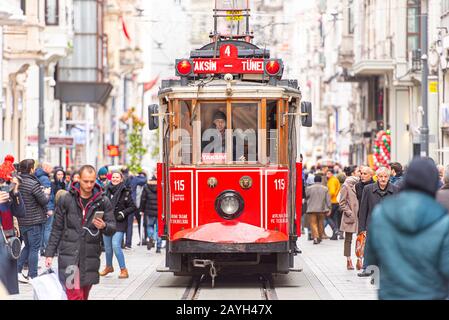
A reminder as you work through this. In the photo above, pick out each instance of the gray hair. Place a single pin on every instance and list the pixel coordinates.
(446, 175)
(383, 170)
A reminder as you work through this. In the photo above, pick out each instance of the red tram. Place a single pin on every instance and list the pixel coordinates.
(230, 180)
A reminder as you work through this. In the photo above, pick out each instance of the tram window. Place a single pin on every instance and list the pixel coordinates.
(213, 133)
(244, 124)
(186, 132)
(272, 132)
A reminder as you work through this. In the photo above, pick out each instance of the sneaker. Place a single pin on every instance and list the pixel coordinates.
(341, 236)
(316, 241)
(364, 274)
(334, 236)
(127, 248)
(22, 279)
(158, 250)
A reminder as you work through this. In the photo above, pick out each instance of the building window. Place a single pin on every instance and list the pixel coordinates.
(445, 8)
(351, 17)
(51, 12)
(23, 6)
(413, 25)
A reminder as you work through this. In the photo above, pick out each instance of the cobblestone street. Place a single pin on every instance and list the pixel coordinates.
(324, 277)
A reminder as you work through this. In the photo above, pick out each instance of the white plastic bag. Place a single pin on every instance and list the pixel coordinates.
(47, 287)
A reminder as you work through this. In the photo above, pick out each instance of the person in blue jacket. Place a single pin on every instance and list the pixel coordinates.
(43, 174)
(409, 239)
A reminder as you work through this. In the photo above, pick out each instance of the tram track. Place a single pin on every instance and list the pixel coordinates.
(199, 287)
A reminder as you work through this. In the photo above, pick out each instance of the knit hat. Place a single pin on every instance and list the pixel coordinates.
(422, 175)
(103, 171)
(219, 115)
(7, 168)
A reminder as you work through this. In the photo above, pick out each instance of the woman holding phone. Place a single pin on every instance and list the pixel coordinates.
(123, 204)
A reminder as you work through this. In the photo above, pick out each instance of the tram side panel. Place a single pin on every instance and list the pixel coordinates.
(192, 202)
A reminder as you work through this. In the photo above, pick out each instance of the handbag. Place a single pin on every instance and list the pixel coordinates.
(12, 244)
(48, 287)
(360, 245)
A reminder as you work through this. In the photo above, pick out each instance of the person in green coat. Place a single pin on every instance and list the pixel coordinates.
(409, 239)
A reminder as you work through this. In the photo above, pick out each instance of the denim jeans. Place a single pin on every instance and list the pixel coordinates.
(47, 231)
(114, 245)
(32, 237)
(129, 231)
(152, 230)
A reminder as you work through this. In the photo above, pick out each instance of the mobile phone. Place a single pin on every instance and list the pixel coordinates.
(4, 188)
(99, 215)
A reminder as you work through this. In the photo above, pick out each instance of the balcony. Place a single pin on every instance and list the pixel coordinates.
(10, 13)
(57, 42)
(373, 67)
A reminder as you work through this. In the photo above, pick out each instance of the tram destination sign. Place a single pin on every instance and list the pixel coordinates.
(228, 62)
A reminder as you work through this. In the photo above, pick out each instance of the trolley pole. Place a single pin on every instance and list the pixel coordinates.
(424, 83)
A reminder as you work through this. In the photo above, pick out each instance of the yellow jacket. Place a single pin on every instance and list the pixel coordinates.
(334, 188)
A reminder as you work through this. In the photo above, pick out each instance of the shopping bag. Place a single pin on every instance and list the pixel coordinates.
(360, 245)
(48, 287)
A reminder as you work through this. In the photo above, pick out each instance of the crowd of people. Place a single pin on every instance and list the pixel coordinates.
(399, 217)
(74, 217)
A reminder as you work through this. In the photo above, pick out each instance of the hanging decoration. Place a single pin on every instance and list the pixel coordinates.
(382, 149)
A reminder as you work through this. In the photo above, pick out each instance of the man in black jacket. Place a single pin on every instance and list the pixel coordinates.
(31, 226)
(372, 195)
(149, 207)
(76, 234)
(366, 178)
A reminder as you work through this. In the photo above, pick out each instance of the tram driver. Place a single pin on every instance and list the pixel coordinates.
(214, 141)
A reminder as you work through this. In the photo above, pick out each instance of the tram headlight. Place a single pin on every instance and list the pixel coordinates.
(229, 205)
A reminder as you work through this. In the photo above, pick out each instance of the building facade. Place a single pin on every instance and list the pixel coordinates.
(31, 50)
(367, 77)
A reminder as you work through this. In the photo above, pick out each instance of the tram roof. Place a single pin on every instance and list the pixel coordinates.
(216, 89)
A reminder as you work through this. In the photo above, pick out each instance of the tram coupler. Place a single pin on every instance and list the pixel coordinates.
(203, 263)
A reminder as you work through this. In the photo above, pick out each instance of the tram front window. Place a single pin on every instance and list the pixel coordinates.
(218, 143)
(245, 123)
(213, 137)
